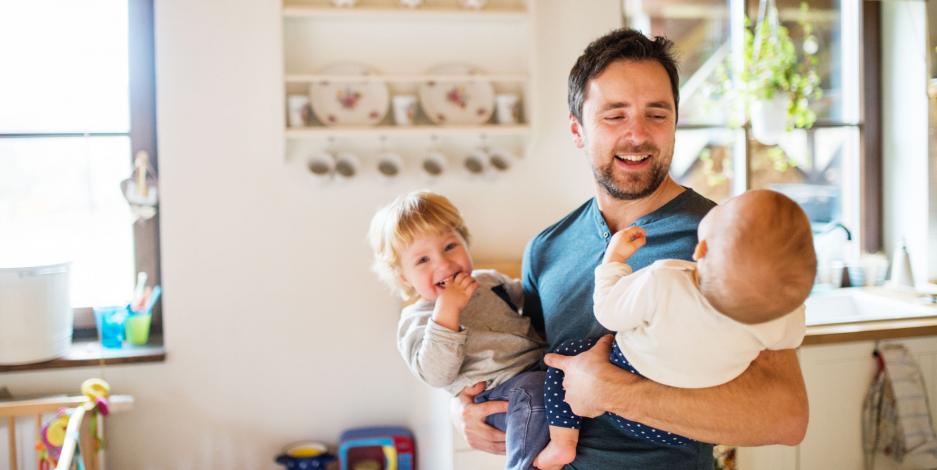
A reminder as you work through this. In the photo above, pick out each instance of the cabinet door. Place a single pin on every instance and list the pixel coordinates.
(767, 458)
(837, 377)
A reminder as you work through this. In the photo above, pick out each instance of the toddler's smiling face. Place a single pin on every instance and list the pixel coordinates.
(431, 260)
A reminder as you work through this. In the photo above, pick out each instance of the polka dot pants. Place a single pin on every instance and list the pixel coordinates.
(561, 415)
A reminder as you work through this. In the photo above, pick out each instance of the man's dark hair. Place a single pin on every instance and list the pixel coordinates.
(619, 44)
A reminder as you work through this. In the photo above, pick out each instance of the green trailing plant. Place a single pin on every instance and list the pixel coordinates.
(714, 176)
(773, 64)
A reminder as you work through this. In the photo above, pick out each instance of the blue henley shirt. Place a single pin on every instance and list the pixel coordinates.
(558, 283)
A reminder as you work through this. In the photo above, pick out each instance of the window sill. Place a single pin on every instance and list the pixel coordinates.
(84, 353)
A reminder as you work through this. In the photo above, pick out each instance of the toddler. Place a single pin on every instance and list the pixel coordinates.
(695, 325)
(465, 326)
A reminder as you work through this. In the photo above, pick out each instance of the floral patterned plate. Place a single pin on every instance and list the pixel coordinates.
(349, 103)
(462, 102)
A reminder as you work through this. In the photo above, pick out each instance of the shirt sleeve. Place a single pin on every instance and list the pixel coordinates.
(432, 352)
(620, 296)
(532, 306)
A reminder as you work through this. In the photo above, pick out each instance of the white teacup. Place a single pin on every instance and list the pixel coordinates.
(433, 165)
(404, 109)
(507, 110)
(347, 165)
(500, 160)
(475, 164)
(320, 166)
(389, 165)
(297, 110)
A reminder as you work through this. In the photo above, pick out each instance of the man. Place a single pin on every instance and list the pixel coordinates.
(623, 98)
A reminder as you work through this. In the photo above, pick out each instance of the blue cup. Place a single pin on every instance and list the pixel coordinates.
(110, 321)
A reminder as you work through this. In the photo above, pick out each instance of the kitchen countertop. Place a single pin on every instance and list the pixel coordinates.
(868, 313)
(870, 330)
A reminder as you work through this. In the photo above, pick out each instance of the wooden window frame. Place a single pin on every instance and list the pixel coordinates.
(142, 135)
(869, 125)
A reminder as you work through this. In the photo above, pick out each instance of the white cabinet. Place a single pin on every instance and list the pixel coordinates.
(837, 377)
(402, 46)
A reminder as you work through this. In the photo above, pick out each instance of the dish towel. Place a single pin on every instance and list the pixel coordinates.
(896, 418)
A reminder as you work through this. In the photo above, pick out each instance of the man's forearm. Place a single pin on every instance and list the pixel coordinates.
(767, 404)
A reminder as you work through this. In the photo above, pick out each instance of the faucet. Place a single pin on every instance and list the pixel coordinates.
(831, 248)
(833, 226)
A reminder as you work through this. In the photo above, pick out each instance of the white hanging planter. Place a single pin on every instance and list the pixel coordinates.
(769, 118)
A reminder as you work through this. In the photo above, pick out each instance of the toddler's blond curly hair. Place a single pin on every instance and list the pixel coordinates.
(406, 218)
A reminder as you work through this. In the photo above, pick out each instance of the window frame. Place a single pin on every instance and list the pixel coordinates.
(142, 135)
(868, 124)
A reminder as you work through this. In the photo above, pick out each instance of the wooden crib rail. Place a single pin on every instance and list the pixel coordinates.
(39, 406)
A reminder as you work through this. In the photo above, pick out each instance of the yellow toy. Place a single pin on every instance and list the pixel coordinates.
(59, 442)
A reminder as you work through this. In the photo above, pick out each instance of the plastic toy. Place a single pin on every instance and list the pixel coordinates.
(377, 448)
(305, 456)
(60, 435)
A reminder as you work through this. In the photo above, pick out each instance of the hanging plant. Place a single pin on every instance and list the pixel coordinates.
(777, 80)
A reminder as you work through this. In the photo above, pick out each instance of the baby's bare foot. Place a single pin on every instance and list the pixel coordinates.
(555, 455)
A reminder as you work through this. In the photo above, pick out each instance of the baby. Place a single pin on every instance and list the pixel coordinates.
(465, 326)
(695, 325)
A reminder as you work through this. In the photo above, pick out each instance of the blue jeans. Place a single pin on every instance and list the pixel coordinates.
(525, 422)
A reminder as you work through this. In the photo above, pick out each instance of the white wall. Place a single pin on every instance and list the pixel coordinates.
(276, 330)
(907, 191)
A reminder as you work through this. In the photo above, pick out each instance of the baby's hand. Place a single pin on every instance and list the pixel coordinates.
(457, 291)
(624, 243)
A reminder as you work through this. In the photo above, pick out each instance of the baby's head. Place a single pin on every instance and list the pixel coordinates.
(419, 240)
(755, 256)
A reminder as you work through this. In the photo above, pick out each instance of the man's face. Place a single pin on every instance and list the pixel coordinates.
(628, 127)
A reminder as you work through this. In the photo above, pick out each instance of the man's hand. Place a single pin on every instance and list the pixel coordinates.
(590, 378)
(624, 243)
(469, 418)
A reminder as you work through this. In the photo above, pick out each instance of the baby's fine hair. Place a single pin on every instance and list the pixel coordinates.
(399, 223)
(767, 258)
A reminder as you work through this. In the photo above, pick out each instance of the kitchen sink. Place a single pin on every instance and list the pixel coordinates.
(866, 304)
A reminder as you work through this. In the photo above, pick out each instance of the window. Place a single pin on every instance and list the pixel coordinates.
(822, 167)
(76, 101)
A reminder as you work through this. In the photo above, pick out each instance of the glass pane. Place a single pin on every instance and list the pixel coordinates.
(61, 198)
(702, 160)
(817, 168)
(700, 32)
(64, 66)
(835, 26)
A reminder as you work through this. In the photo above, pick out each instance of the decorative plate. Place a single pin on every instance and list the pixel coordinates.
(349, 103)
(462, 102)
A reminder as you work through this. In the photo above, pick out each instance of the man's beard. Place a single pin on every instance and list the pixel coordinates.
(639, 185)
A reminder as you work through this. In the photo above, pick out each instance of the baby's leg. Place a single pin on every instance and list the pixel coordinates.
(636, 429)
(564, 424)
(525, 422)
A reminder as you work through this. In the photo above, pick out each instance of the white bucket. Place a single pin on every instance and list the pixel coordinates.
(35, 313)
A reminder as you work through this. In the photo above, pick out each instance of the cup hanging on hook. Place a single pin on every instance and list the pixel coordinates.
(389, 163)
(433, 162)
(140, 189)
